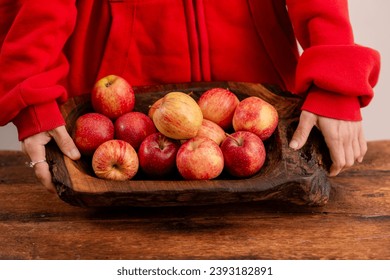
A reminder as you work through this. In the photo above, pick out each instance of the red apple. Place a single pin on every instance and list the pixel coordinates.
(115, 160)
(157, 155)
(256, 115)
(211, 130)
(91, 130)
(133, 127)
(199, 158)
(218, 105)
(178, 116)
(112, 96)
(244, 153)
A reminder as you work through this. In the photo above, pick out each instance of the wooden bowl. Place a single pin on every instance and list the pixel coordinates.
(299, 177)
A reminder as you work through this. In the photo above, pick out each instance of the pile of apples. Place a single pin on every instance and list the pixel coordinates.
(177, 134)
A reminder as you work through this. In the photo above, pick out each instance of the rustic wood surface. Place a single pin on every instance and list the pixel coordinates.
(293, 176)
(354, 224)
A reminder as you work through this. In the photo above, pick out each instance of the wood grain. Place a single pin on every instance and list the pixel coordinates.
(354, 224)
(298, 177)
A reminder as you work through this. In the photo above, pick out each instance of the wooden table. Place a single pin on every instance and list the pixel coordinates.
(355, 224)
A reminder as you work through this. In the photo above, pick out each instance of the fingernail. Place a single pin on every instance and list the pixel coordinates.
(334, 172)
(74, 153)
(293, 144)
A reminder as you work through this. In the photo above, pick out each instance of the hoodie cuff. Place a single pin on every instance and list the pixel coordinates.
(38, 118)
(351, 71)
(332, 105)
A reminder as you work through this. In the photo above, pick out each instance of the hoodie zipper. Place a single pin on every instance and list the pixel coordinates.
(198, 40)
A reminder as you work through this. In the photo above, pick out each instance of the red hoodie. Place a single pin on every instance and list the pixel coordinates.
(54, 49)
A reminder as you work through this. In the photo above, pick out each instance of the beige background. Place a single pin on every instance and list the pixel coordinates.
(371, 23)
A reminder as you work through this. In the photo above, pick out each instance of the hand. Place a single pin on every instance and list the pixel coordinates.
(34, 147)
(345, 139)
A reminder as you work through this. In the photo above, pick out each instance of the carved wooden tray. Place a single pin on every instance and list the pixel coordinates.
(299, 177)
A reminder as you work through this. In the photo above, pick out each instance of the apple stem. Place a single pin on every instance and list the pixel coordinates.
(161, 141)
(108, 84)
(239, 143)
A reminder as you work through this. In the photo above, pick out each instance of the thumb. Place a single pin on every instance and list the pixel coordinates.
(307, 121)
(65, 142)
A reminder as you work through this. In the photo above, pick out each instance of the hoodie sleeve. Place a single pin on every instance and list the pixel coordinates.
(336, 75)
(33, 67)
